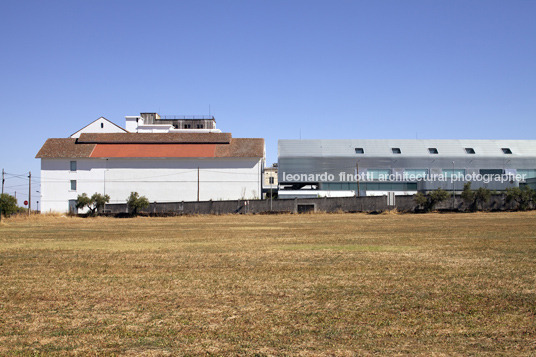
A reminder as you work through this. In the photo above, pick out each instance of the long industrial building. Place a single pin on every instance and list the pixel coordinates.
(167, 160)
(331, 168)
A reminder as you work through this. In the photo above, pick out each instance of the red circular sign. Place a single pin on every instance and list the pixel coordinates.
(26, 203)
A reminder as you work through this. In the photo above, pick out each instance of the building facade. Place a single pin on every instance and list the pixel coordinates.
(312, 168)
(164, 166)
(270, 183)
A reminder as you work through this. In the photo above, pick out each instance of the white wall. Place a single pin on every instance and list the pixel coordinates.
(132, 122)
(349, 193)
(95, 127)
(160, 180)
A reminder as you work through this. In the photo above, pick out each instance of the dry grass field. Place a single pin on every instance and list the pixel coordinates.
(317, 284)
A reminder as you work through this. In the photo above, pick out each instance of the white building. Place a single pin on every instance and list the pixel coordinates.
(171, 165)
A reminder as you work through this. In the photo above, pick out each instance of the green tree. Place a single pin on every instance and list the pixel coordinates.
(521, 197)
(420, 199)
(98, 201)
(82, 201)
(8, 205)
(431, 199)
(94, 203)
(438, 196)
(475, 198)
(482, 195)
(468, 196)
(135, 203)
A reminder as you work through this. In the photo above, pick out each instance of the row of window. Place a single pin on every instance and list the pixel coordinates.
(189, 126)
(376, 174)
(433, 151)
(369, 186)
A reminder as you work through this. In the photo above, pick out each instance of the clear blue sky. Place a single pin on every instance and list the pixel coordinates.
(271, 69)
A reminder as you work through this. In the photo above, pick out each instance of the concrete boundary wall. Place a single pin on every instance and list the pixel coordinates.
(330, 205)
(344, 204)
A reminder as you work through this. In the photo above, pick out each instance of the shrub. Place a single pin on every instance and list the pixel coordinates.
(136, 203)
(468, 196)
(482, 195)
(521, 197)
(475, 198)
(431, 199)
(8, 205)
(420, 199)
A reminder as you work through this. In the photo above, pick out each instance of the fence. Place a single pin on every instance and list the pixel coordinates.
(327, 204)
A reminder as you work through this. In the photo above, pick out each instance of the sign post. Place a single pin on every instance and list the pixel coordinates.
(29, 193)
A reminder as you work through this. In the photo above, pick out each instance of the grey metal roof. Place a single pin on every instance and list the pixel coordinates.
(408, 147)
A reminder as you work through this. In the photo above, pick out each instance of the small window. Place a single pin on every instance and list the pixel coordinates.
(187, 126)
(396, 150)
(102, 125)
(199, 126)
(469, 150)
(73, 185)
(359, 150)
(433, 151)
(491, 171)
(506, 150)
(73, 165)
(272, 181)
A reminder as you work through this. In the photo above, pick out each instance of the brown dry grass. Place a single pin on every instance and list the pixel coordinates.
(327, 284)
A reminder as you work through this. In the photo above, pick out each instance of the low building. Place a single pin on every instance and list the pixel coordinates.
(165, 166)
(270, 183)
(313, 168)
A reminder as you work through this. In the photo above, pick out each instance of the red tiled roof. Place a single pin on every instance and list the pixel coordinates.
(154, 150)
(174, 145)
(64, 148)
(155, 138)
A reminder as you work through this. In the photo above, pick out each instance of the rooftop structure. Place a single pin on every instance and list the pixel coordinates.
(155, 123)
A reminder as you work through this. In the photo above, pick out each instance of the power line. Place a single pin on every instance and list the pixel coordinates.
(17, 175)
(21, 185)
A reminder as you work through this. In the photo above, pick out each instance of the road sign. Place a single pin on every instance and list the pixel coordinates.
(26, 203)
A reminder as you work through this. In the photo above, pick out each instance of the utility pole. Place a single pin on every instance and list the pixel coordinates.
(197, 183)
(29, 193)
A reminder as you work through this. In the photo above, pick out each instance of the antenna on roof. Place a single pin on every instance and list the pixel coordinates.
(209, 110)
